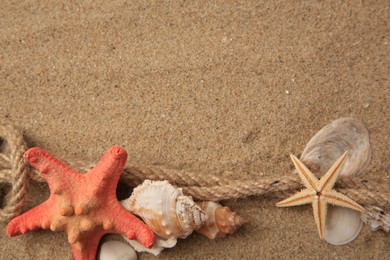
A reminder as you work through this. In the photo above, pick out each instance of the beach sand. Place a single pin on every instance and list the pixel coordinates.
(230, 89)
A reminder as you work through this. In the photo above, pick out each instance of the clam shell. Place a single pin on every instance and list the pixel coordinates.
(165, 209)
(328, 144)
(342, 225)
(116, 250)
(345, 134)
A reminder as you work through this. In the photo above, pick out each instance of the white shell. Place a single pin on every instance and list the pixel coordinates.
(112, 250)
(159, 245)
(328, 144)
(342, 225)
(345, 134)
(165, 209)
(376, 218)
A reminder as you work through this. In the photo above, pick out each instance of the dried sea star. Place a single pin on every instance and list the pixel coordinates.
(319, 192)
(82, 205)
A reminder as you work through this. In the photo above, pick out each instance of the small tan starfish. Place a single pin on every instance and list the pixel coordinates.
(319, 192)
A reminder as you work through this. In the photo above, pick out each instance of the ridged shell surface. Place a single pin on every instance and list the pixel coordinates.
(328, 144)
(345, 134)
(165, 209)
(342, 225)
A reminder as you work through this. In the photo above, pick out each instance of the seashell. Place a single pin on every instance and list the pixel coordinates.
(159, 245)
(116, 250)
(165, 209)
(328, 144)
(345, 134)
(342, 225)
(220, 220)
(376, 218)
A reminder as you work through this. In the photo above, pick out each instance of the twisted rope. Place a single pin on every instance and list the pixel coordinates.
(375, 191)
(14, 170)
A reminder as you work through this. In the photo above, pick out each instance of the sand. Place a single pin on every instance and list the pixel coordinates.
(213, 87)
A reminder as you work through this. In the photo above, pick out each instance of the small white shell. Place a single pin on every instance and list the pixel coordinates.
(165, 209)
(116, 250)
(159, 245)
(376, 218)
(345, 134)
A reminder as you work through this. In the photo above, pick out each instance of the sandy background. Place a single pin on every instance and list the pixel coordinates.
(224, 88)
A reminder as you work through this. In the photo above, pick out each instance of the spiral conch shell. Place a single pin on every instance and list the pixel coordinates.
(220, 220)
(344, 134)
(165, 209)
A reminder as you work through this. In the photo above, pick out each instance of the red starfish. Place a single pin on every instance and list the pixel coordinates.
(82, 205)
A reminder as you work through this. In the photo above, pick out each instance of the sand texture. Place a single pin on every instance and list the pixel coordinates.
(221, 87)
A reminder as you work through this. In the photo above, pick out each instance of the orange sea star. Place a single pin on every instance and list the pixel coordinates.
(82, 205)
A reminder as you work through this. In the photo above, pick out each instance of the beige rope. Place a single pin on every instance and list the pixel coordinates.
(211, 187)
(14, 170)
(375, 191)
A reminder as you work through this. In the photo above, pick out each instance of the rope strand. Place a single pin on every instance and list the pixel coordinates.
(15, 171)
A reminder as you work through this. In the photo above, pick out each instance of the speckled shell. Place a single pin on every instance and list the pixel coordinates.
(220, 220)
(165, 209)
(376, 218)
(345, 134)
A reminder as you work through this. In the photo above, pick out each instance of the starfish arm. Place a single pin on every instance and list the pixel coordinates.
(336, 198)
(329, 179)
(301, 198)
(54, 171)
(127, 224)
(110, 166)
(36, 218)
(320, 208)
(86, 249)
(307, 177)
